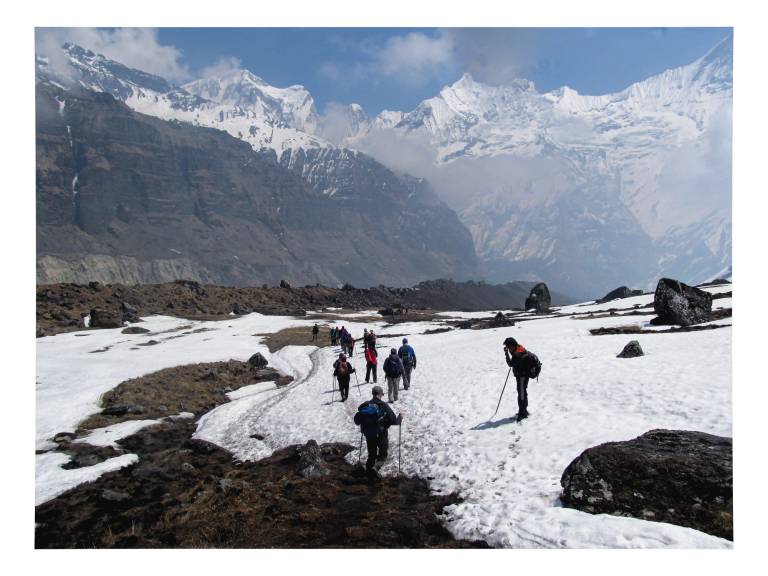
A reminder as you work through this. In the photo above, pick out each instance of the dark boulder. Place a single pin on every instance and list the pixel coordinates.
(284, 284)
(311, 464)
(40, 332)
(134, 330)
(258, 361)
(240, 310)
(539, 298)
(678, 303)
(130, 312)
(193, 286)
(621, 292)
(631, 350)
(674, 476)
(102, 318)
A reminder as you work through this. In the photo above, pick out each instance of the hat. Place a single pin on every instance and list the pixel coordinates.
(510, 342)
(377, 391)
(405, 340)
(342, 356)
(393, 351)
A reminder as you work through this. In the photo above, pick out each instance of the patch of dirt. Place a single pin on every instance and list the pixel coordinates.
(195, 388)
(298, 336)
(186, 493)
(412, 316)
(437, 330)
(638, 330)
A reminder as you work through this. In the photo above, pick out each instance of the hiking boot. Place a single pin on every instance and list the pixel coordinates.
(522, 416)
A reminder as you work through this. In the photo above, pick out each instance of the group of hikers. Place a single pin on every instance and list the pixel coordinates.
(375, 416)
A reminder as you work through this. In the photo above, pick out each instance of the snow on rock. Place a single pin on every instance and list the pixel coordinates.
(109, 435)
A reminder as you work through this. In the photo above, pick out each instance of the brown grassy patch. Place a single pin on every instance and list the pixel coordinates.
(298, 336)
(195, 388)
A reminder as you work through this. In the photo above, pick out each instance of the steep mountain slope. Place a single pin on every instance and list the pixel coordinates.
(657, 152)
(125, 197)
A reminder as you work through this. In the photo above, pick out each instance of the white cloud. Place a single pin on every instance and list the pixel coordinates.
(495, 55)
(221, 67)
(134, 47)
(415, 58)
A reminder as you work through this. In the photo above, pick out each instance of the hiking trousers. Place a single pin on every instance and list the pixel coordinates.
(343, 386)
(377, 449)
(393, 386)
(370, 369)
(522, 394)
(407, 377)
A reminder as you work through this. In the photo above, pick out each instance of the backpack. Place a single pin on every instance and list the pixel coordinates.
(533, 365)
(342, 369)
(370, 418)
(406, 356)
(392, 367)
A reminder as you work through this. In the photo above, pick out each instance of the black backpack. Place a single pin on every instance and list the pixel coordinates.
(532, 364)
(392, 367)
(370, 418)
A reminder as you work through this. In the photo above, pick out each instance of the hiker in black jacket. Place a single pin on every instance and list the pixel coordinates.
(342, 370)
(514, 353)
(376, 429)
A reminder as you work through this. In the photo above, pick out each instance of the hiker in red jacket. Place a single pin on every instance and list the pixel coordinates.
(371, 359)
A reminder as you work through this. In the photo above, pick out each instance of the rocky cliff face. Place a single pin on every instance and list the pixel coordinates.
(123, 197)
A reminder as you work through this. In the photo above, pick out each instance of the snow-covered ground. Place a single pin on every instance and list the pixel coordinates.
(507, 473)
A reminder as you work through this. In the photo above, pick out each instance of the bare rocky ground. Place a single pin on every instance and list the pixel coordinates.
(187, 493)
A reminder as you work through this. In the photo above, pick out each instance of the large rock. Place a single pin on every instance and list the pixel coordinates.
(102, 318)
(673, 476)
(311, 463)
(678, 303)
(621, 292)
(631, 350)
(539, 298)
(258, 361)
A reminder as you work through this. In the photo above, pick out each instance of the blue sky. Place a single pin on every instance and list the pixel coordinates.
(397, 68)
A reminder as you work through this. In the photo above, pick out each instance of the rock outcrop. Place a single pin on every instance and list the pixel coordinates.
(539, 299)
(673, 476)
(258, 361)
(678, 303)
(621, 292)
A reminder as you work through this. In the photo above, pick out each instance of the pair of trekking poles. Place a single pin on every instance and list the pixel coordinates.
(333, 383)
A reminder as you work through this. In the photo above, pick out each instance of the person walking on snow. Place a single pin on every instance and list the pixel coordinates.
(514, 353)
(351, 345)
(315, 331)
(408, 356)
(371, 360)
(393, 369)
(342, 370)
(374, 418)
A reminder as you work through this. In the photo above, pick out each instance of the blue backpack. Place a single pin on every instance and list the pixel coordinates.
(407, 357)
(370, 418)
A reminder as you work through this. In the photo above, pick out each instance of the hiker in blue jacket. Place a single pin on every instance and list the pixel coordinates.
(374, 418)
(408, 356)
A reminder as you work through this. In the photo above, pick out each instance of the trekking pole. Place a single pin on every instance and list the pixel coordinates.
(360, 451)
(358, 384)
(399, 445)
(333, 383)
(502, 392)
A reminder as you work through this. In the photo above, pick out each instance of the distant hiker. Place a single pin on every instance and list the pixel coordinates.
(315, 331)
(365, 338)
(370, 339)
(408, 356)
(351, 345)
(342, 370)
(393, 369)
(374, 418)
(524, 365)
(333, 336)
(371, 360)
(343, 335)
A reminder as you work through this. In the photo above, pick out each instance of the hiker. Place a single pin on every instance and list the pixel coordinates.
(342, 369)
(351, 345)
(393, 369)
(372, 339)
(365, 338)
(315, 331)
(371, 360)
(343, 335)
(408, 356)
(333, 336)
(374, 418)
(516, 358)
